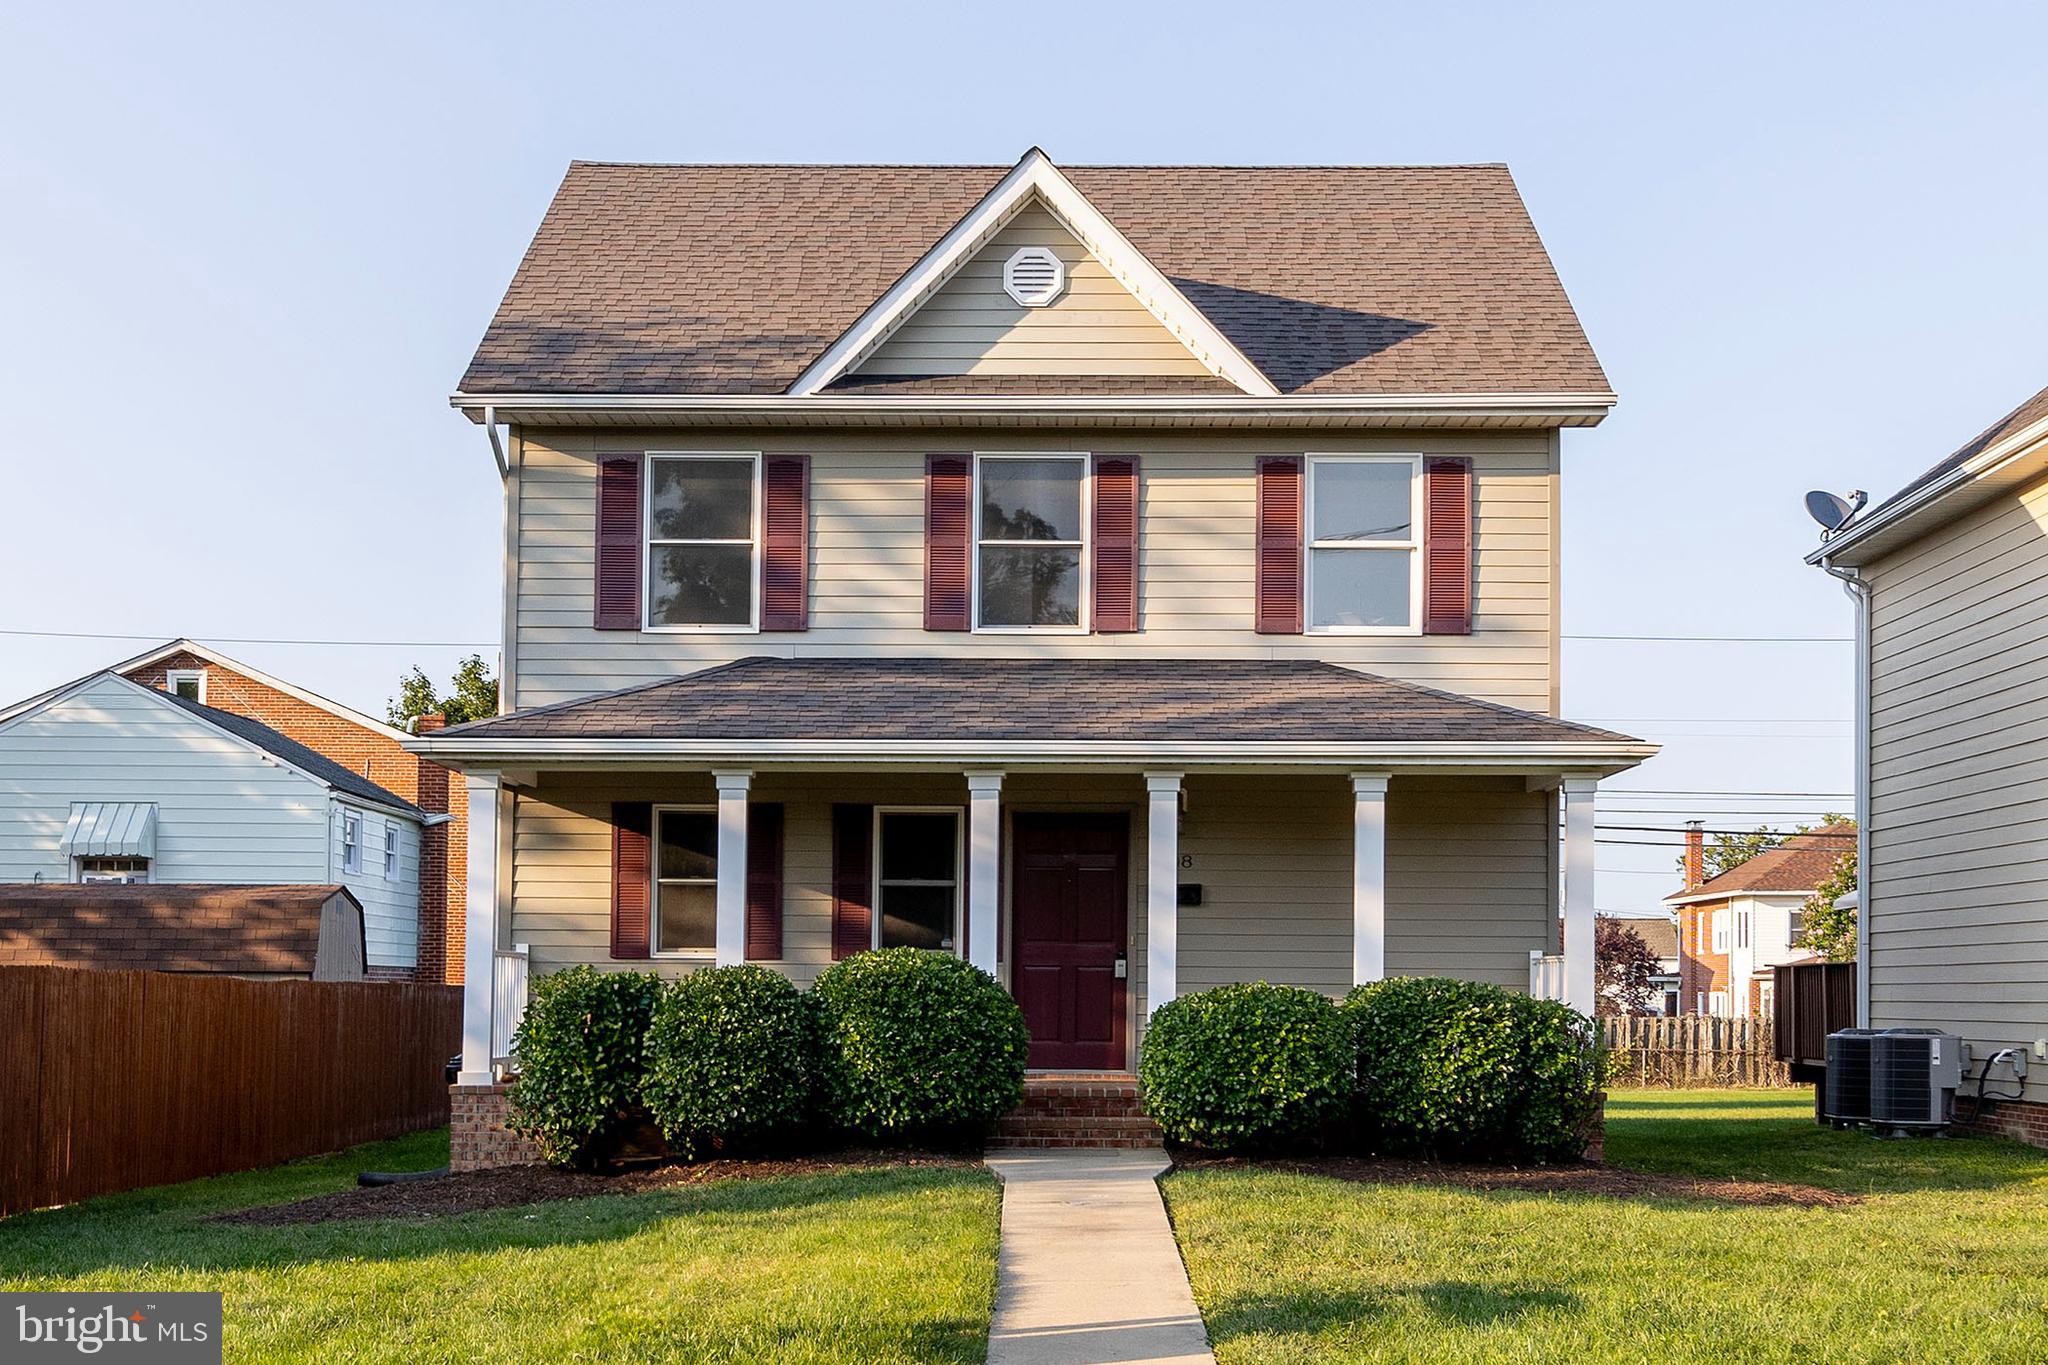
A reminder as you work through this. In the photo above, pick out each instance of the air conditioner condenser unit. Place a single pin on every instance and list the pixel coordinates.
(1914, 1073)
(1845, 1085)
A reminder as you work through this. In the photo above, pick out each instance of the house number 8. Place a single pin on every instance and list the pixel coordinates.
(1187, 860)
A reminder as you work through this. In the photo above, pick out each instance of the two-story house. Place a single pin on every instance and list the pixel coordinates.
(1134, 579)
(1734, 927)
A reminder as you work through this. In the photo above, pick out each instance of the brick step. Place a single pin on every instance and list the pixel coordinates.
(1116, 1123)
(1119, 1143)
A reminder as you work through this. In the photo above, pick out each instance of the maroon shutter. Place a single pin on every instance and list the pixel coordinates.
(1278, 546)
(948, 484)
(853, 836)
(618, 543)
(786, 542)
(1115, 571)
(1447, 547)
(764, 881)
(632, 877)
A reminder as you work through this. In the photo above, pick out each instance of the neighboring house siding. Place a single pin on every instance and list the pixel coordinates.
(444, 879)
(224, 812)
(391, 906)
(1195, 558)
(972, 326)
(1958, 881)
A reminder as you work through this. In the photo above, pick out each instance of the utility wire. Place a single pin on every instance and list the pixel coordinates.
(1726, 639)
(256, 640)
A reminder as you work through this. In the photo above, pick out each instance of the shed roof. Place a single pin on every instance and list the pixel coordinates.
(172, 927)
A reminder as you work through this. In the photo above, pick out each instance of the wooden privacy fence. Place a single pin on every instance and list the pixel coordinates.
(116, 1080)
(1693, 1050)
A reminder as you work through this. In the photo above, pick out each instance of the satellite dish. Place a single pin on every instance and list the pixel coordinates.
(1833, 511)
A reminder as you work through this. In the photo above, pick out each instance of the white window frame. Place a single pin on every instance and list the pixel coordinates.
(1717, 932)
(655, 879)
(1413, 545)
(78, 870)
(393, 847)
(351, 843)
(757, 542)
(1086, 545)
(959, 814)
(1742, 928)
(174, 676)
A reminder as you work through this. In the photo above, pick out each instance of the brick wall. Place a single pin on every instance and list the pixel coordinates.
(431, 787)
(2022, 1120)
(1701, 970)
(477, 1136)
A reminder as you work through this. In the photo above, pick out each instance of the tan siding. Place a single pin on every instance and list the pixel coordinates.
(1958, 883)
(1195, 555)
(972, 326)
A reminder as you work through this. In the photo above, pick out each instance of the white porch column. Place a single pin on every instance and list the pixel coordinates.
(1368, 877)
(480, 928)
(730, 943)
(1578, 893)
(984, 866)
(1162, 890)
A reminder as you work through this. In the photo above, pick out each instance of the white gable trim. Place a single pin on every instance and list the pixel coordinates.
(214, 656)
(1036, 175)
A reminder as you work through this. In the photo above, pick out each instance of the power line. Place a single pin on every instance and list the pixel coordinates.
(1724, 639)
(256, 640)
(1713, 791)
(1671, 829)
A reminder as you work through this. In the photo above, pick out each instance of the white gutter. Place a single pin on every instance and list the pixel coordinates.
(1998, 453)
(841, 405)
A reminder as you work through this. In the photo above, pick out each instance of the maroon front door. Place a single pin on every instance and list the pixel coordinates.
(1069, 916)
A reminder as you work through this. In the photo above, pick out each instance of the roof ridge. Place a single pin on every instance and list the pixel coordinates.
(1063, 165)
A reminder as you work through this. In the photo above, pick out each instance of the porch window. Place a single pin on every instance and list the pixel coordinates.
(1363, 542)
(113, 869)
(917, 878)
(685, 880)
(1031, 541)
(703, 542)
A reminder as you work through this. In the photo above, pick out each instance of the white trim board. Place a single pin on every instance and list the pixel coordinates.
(214, 656)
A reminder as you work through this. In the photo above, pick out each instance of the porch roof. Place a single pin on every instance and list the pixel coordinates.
(998, 707)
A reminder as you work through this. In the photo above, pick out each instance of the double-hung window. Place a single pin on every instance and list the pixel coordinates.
(351, 842)
(917, 878)
(1031, 542)
(391, 850)
(703, 541)
(685, 880)
(1364, 544)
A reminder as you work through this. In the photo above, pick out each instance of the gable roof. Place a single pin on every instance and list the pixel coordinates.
(174, 927)
(309, 761)
(173, 648)
(1799, 865)
(736, 280)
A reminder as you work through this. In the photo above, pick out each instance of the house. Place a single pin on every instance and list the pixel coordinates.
(1952, 752)
(107, 781)
(1734, 927)
(1134, 579)
(1661, 935)
(312, 933)
(360, 743)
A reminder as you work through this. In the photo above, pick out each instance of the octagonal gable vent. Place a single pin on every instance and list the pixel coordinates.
(1034, 276)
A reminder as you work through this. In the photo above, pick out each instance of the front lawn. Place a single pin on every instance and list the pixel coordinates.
(873, 1264)
(1944, 1255)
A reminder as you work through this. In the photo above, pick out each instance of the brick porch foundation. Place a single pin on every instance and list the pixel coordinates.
(477, 1135)
(2022, 1120)
(1084, 1109)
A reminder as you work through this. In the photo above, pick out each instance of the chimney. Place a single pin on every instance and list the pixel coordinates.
(427, 724)
(1695, 854)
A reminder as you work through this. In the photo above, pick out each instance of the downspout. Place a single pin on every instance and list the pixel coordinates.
(497, 442)
(1858, 589)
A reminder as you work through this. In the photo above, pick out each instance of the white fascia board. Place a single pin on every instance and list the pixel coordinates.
(2030, 441)
(29, 706)
(214, 656)
(1591, 406)
(1035, 174)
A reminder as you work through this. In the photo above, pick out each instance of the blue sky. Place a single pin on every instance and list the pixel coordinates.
(245, 253)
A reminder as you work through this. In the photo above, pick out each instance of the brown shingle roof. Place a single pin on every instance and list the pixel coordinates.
(2025, 415)
(1801, 863)
(1168, 700)
(170, 927)
(731, 279)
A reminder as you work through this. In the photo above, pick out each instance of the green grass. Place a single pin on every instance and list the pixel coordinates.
(1946, 1258)
(881, 1264)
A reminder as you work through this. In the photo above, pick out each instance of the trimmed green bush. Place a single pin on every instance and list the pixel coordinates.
(1246, 1067)
(582, 1058)
(730, 1059)
(917, 1044)
(1461, 1070)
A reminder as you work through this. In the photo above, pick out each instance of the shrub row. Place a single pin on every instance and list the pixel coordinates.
(897, 1045)
(1416, 1066)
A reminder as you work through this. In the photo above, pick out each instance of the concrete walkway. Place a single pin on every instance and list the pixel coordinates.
(1088, 1273)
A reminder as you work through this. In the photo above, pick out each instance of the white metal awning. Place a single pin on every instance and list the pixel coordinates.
(111, 829)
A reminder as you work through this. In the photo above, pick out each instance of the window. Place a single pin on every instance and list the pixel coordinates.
(113, 869)
(1717, 1004)
(1363, 542)
(189, 683)
(1742, 928)
(702, 541)
(686, 880)
(917, 878)
(1030, 541)
(1795, 925)
(1720, 923)
(351, 842)
(391, 851)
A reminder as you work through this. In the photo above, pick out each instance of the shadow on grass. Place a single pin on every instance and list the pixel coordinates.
(1451, 1303)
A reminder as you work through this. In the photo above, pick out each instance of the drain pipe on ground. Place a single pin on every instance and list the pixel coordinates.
(1858, 590)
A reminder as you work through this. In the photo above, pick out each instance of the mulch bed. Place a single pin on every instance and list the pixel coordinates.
(1582, 1177)
(509, 1186)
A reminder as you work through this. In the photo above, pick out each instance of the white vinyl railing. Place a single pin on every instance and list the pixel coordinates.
(508, 998)
(1546, 975)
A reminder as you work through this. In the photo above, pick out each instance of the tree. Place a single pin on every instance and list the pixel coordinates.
(1725, 852)
(1622, 967)
(1825, 928)
(474, 695)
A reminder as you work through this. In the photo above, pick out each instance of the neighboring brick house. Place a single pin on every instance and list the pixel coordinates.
(357, 742)
(1733, 928)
